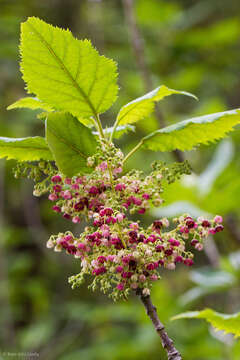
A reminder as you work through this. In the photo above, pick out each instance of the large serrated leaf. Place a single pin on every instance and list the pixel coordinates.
(227, 323)
(64, 72)
(144, 105)
(25, 149)
(32, 103)
(187, 134)
(71, 143)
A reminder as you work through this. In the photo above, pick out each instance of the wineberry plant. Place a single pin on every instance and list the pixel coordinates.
(78, 165)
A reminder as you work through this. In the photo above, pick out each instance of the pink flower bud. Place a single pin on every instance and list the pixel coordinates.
(111, 258)
(218, 219)
(67, 195)
(56, 208)
(120, 217)
(76, 219)
(159, 248)
(174, 242)
(68, 238)
(120, 187)
(119, 269)
(134, 286)
(53, 197)
(117, 170)
(101, 259)
(170, 266)
(68, 181)
(154, 277)
(81, 246)
(188, 262)
(120, 286)
(56, 178)
(142, 278)
(134, 226)
(103, 166)
(178, 259)
(57, 188)
(194, 242)
(75, 187)
(199, 246)
(212, 231)
(66, 216)
(206, 223)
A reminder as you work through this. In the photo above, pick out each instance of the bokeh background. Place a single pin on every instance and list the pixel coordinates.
(187, 45)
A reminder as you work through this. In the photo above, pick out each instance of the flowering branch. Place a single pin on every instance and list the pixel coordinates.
(167, 343)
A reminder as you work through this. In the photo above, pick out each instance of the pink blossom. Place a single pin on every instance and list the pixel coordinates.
(67, 195)
(218, 219)
(53, 197)
(120, 286)
(76, 219)
(117, 171)
(56, 178)
(103, 166)
(134, 226)
(68, 181)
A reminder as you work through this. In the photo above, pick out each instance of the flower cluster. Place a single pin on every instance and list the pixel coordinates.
(118, 252)
(121, 255)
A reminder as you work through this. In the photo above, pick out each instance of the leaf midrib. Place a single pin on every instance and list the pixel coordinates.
(62, 139)
(60, 62)
(24, 147)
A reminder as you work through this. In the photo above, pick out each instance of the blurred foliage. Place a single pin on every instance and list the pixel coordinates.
(190, 45)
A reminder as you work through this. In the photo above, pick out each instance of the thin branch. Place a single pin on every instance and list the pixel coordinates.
(167, 343)
(133, 151)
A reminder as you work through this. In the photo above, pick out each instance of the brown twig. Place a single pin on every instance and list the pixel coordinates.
(167, 343)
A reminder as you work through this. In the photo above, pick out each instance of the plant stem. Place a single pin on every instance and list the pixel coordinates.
(167, 343)
(99, 127)
(113, 130)
(133, 151)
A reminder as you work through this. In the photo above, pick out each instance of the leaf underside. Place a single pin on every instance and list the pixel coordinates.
(71, 143)
(25, 149)
(227, 323)
(143, 106)
(120, 130)
(30, 103)
(67, 73)
(188, 134)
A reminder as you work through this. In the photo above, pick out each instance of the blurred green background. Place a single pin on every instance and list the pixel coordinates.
(187, 45)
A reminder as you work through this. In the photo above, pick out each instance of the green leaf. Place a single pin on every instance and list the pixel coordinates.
(143, 106)
(25, 149)
(228, 323)
(71, 143)
(119, 131)
(64, 72)
(30, 103)
(187, 134)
